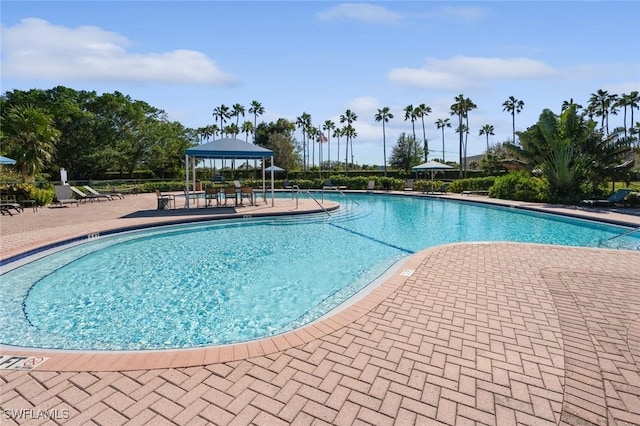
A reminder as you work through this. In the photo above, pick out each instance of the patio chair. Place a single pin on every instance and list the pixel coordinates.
(64, 195)
(610, 201)
(110, 194)
(90, 197)
(408, 185)
(230, 192)
(165, 200)
(247, 192)
(211, 194)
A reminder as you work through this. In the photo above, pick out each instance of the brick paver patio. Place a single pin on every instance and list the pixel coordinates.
(486, 333)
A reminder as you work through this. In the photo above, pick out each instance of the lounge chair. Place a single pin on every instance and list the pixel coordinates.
(64, 195)
(9, 203)
(371, 185)
(408, 185)
(110, 194)
(90, 197)
(612, 200)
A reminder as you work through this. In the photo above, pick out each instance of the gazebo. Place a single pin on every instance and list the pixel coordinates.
(228, 148)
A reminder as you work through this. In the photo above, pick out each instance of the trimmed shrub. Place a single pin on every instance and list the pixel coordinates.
(472, 184)
(42, 196)
(519, 186)
(632, 200)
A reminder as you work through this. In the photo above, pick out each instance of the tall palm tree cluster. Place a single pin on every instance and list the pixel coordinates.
(601, 104)
(224, 113)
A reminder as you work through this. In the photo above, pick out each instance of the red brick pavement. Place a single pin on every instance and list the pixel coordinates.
(491, 333)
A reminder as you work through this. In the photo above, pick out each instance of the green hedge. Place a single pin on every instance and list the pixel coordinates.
(519, 186)
(472, 184)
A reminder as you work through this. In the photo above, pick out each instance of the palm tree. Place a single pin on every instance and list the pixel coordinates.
(461, 108)
(487, 130)
(256, 109)
(384, 114)
(212, 130)
(348, 117)
(336, 134)
(513, 106)
(601, 104)
(30, 137)
(328, 126)
(246, 128)
(232, 129)
(222, 113)
(568, 104)
(410, 114)
(421, 111)
(237, 111)
(631, 100)
(441, 124)
(304, 122)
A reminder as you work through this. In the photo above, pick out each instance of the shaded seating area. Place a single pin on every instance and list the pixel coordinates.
(64, 196)
(610, 201)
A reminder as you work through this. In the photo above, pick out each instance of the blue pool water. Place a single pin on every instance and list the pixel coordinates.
(233, 281)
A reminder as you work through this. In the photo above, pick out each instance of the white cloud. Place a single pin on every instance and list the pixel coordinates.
(363, 104)
(459, 14)
(360, 12)
(463, 72)
(35, 48)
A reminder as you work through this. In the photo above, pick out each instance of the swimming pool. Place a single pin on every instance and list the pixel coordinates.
(234, 281)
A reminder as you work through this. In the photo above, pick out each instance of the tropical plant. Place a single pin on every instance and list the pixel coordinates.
(513, 106)
(246, 128)
(29, 137)
(304, 122)
(631, 101)
(349, 117)
(337, 133)
(569, 152)
(384, 115)
(423, 111)
(222, 113)
(410, 115)
(601, 104)
(256, 109)
(237, 110)
(328, 126)
(486, 130)
(442, 123)
(567, 104)
(461, 109)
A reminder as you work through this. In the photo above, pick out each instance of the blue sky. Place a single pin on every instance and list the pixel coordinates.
(325, 57)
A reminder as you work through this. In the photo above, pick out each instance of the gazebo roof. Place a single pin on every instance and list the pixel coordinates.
(229, 148)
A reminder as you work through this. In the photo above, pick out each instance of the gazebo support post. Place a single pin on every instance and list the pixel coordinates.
(186, 177)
